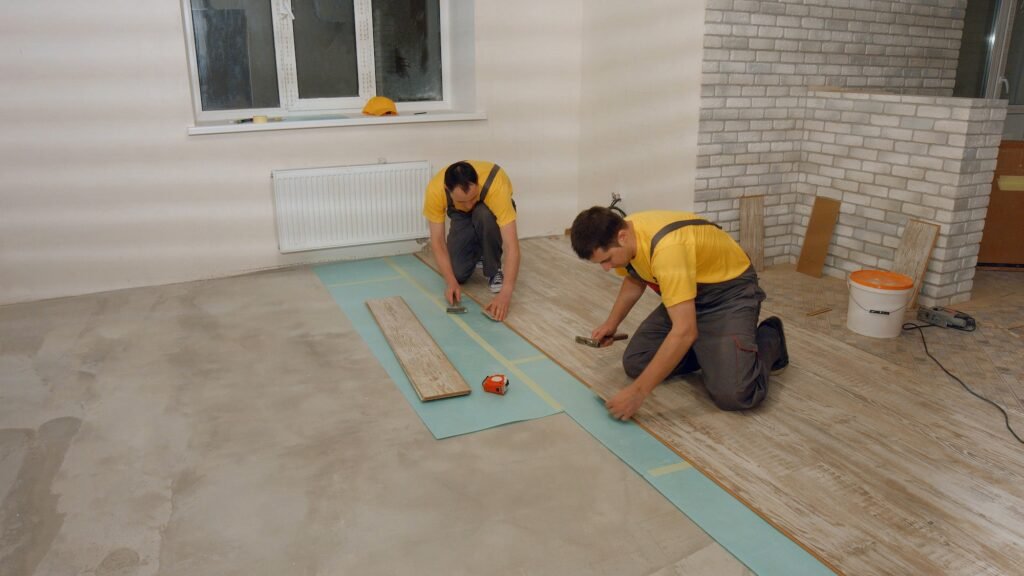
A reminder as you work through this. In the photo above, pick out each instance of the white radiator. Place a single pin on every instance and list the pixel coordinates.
(349, 205)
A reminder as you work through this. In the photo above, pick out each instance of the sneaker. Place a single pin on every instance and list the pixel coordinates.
(496, 282)
(480, 263)
(783, 359)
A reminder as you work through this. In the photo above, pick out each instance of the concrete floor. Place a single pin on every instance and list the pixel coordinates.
(241, 426)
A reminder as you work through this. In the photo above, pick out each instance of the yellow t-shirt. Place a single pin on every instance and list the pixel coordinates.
(499, 197)
(685, 257)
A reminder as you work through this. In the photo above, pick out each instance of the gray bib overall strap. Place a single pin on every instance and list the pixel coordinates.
(483, 191)
(667, 229)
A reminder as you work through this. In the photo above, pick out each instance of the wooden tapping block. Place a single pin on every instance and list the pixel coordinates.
(429, 370)
(819, 233)
(913, 253)
(752, 229)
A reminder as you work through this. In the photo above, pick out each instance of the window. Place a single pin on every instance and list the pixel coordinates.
(991, 61)
(297, 58)
(981, 20)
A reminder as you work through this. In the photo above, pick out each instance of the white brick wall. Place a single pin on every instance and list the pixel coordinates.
(887, 156)
(760, 56)
(938, 171)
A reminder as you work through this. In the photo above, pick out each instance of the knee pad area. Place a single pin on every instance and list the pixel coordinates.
(633, 366)
(462, 278)
(734, 402)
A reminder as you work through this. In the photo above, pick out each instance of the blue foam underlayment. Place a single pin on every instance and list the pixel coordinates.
(450, 416)
(539, 387)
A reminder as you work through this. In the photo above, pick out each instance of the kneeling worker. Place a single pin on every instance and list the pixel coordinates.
(477, 197)
(710, 303)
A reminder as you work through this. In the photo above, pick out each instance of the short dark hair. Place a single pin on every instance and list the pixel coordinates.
(460, 175)
(594, 228)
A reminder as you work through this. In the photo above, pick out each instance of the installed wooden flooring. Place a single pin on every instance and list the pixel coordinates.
(990, 360)
(869, 466)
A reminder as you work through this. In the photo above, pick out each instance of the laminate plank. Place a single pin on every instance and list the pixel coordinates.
(429, 370)
(913, 252)
(752, 229)
(824, 215)
(867, 465)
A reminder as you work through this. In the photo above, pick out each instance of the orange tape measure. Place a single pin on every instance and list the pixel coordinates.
(496, 384)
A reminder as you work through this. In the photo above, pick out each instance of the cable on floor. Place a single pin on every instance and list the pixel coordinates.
(920, 329)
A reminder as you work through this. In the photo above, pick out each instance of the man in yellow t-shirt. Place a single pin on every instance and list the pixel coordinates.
(477, 197)
(710, 304)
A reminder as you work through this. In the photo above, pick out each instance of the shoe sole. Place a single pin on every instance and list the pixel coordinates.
(782, 335)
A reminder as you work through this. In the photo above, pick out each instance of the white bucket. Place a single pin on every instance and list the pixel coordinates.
(878, 300)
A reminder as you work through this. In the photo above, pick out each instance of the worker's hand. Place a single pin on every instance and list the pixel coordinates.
(453, 293)
(498, 308)
(604, 333)
(623, 405)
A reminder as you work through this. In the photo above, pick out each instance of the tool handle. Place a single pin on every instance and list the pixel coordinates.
(593, 343)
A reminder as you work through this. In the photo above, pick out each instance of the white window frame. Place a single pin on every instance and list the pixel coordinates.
(296, 108)
(995, 77)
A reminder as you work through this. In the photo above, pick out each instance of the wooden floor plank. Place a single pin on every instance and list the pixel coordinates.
(870, 467)
(429, 370)
(913, 252)
(824, 216)
(752, 229)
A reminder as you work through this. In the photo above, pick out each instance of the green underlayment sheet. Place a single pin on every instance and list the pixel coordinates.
(539, 387)
(465, 339)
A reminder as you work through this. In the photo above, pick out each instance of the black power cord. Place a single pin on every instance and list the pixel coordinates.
(614, 205)
(920, 330)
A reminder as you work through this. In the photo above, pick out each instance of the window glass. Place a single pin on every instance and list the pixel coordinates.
(341, 49)
(237, 65)
(976, 48)
(325, 48)
(1015, 60)
(407, 49)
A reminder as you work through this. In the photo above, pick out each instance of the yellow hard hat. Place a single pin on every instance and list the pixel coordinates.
(380, 106)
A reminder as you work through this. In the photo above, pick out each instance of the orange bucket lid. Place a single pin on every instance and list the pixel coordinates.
(882, 279)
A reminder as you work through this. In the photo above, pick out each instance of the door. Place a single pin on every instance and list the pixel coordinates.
(1002, 242)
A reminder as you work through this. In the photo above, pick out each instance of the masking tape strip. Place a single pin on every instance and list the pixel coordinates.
(528, 359)
(663, 470)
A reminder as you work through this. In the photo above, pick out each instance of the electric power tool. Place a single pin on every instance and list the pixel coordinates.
(945, 318)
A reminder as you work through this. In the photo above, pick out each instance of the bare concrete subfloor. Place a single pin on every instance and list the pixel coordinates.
(242, 427)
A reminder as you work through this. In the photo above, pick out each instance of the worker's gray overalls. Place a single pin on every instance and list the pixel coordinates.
(726, 349)
(473, 234)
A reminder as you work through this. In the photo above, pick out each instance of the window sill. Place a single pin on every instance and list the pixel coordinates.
(334, 121)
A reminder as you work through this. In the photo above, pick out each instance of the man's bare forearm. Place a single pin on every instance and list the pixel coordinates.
(673, 348)
(512, 269)
(439, 247)
(513, 256)
(629, 294)
(669, 355)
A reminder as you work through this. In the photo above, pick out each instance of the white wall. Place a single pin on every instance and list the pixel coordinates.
(640, 103)
(101, 188)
